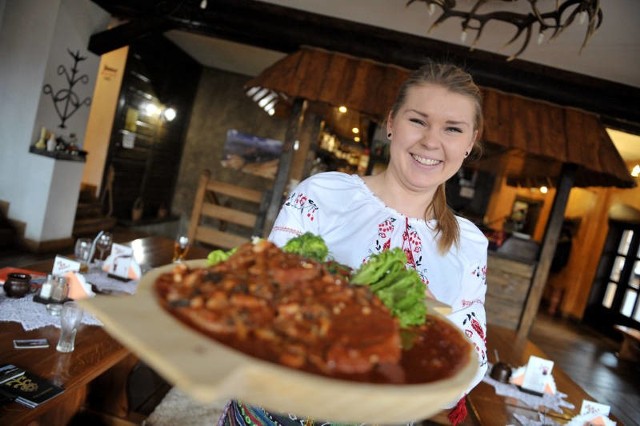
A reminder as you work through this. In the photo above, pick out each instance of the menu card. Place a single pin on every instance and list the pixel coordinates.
(119, 261)
(537, 374)
(62, 265)
(590, 407)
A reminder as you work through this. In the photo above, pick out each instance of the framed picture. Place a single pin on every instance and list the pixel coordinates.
(251, 154)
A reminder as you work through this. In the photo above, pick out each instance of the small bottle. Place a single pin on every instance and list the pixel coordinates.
(51, 143)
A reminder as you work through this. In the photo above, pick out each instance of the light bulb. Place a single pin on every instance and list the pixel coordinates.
(203, 4)
(169, 114)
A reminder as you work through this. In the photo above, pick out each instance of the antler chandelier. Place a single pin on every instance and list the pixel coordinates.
(553, 21)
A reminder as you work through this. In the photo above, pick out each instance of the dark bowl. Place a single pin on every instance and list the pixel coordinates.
(17, 285)
(501, 372)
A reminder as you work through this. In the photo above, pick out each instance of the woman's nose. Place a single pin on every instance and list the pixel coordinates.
(429, 138)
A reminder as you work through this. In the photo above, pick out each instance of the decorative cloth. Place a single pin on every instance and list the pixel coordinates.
(552, 401)
(33, 315)
(105, 283)
(177, 408)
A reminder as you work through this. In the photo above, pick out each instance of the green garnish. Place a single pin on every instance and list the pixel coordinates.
(217, 256)
(400, 288)
(308, 245)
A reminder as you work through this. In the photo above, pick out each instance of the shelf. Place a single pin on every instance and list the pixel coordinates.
(60, 155)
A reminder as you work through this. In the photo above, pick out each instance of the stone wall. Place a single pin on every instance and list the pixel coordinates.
(220, 105)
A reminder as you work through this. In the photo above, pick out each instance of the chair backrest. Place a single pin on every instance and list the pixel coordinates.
(225, 215)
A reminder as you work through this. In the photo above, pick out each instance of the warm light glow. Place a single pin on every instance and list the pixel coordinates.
(635, 172)
(342, 109)
(355, 130)
(170, 114)
(151, 109)
(544, 189)
(357, 139)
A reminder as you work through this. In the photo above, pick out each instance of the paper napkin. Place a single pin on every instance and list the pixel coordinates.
(78, 286)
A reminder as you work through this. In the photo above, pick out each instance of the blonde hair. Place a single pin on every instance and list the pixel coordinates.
(456, 80)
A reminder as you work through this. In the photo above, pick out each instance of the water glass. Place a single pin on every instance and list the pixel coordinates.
(70, 318)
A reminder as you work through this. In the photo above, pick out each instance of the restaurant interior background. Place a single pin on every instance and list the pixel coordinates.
(160, 108)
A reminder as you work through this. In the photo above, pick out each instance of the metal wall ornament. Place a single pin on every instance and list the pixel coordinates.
(563, 14)
(65, 100)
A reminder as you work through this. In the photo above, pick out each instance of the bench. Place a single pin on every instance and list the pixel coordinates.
(630, 348)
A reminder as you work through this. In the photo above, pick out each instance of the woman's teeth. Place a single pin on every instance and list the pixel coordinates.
(426, 161)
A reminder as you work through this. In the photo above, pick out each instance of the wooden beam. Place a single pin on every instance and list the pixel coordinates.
(547, 250)
(124, 34)
(284, 166)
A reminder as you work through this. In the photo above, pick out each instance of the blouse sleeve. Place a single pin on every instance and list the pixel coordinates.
(470, 313)
(298, 214)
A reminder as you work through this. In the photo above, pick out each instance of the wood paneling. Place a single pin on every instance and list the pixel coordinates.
(507, 287)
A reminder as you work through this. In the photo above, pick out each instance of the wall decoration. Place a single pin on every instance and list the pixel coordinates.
(251, 154)
(65, 100)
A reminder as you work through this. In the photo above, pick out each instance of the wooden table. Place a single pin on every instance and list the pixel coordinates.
(97, 358)
(487, 408)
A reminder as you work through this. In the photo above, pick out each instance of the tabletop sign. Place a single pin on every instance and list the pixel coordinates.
(590, 407)
(62, 265)
(120, 260)
(536, 374)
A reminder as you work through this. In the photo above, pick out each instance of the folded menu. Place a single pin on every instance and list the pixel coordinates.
(30, 390)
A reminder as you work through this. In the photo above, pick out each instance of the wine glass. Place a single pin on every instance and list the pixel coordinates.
(180, 248)
(82, 252)
(104, 244)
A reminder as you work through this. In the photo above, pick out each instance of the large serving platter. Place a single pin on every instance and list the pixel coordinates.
(209, 371)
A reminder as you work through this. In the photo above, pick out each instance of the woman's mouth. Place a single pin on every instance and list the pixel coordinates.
(425, 161)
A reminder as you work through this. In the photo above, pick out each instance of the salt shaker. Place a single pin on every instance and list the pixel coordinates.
(45, 289)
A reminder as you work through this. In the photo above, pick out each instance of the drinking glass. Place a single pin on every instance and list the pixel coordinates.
(104, 243)
(180, 248)
(70, 318)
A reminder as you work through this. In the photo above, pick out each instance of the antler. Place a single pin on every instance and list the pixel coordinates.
(554, 20)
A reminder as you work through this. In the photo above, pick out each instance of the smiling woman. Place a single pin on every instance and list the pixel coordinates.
(433, 125)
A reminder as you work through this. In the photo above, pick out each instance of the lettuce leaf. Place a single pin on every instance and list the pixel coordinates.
(398, 287)
(308, 245)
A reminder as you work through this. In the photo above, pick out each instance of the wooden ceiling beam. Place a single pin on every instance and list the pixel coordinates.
(285, 30)
(126, 33)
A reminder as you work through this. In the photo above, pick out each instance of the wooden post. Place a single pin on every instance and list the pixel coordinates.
(547, 250)
(284, 165)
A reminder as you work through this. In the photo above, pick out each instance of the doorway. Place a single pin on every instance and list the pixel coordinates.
(614, 295)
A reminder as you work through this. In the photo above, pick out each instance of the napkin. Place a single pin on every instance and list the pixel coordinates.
(517, 377)
(591, 420)
(78, 286)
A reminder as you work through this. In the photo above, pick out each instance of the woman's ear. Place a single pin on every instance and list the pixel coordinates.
(389, 124)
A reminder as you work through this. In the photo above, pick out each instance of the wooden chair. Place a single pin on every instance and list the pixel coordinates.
(226, 215)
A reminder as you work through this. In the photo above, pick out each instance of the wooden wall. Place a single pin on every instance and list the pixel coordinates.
(573, 283)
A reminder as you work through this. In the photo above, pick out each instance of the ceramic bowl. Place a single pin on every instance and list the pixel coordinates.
(17, 285)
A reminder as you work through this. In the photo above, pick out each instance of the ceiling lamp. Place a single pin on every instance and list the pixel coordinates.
(558, 16)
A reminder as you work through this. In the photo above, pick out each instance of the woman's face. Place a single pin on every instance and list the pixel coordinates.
(430, 134)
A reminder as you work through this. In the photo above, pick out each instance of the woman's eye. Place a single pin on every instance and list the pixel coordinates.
(417, 121)
(454, 129)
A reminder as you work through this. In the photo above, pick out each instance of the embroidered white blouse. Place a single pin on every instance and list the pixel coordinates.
(356, 224)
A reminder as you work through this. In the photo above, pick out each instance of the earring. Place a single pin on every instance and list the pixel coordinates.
(466, 154)
(389, 135)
